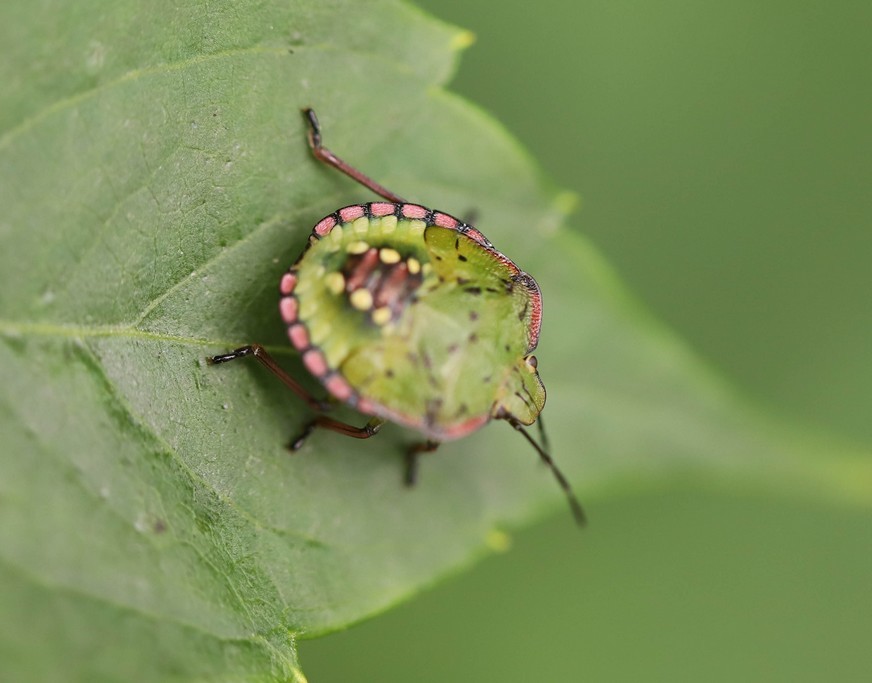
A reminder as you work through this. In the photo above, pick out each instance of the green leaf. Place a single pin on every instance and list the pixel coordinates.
(155, 183)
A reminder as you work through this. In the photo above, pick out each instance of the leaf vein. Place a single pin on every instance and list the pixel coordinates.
(129, 76)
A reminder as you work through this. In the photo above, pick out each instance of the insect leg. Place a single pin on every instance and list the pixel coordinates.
(269, 363)
(371, 428)
(412, 454)
(326, 156)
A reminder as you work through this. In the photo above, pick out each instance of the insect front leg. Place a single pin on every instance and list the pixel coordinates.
(325, 156)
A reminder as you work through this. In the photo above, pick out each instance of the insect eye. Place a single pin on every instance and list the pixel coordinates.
(532, 363)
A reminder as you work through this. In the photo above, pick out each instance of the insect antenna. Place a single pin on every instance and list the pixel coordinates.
(543, 436)
(575, 506)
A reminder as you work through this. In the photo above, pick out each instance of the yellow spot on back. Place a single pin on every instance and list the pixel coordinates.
(357, 247)
(381, 316)
(361, 299)
(361, 225)
(308, 307)
(416, 228)
(319, 329)
(388, 255)
(334, 238)
(304, 285)
(414, 266)
(335, 282)
(388, 224)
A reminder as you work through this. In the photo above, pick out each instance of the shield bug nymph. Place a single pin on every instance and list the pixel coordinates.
(410, 315)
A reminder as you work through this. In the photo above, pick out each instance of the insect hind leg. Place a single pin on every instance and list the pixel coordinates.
(412, 455)
(261, 355)
(371, 428)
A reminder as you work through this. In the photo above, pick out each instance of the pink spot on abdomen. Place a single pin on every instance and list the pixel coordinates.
(414, 211)
(382, 208)
(365, 406)
(350, 213)
(535, 318)
(477, 236)
(443, 220)
(299, 336)
(288, 308)
(325, 226)
(460, 430)
(315, 362)
(289, 281)
(339, 387)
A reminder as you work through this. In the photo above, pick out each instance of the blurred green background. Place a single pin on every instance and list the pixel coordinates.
(723, 153)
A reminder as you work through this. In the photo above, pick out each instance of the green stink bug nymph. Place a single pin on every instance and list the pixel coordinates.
(410, 315)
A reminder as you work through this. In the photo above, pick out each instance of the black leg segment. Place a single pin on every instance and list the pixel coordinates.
(258, 352)
(371, 428)
(326, 156)
(412, 454)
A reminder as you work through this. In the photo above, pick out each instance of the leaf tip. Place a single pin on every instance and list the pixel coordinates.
(462, 40)
(562, 204)
(498, 541)
(567, 202)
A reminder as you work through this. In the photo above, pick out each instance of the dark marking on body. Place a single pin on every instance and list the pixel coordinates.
(523, 400)
(472, 290)
(472, 338)
(525, 280)
(461, 257)
(529, 395)
(432, 409)
(473, 315)
(523, 314)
